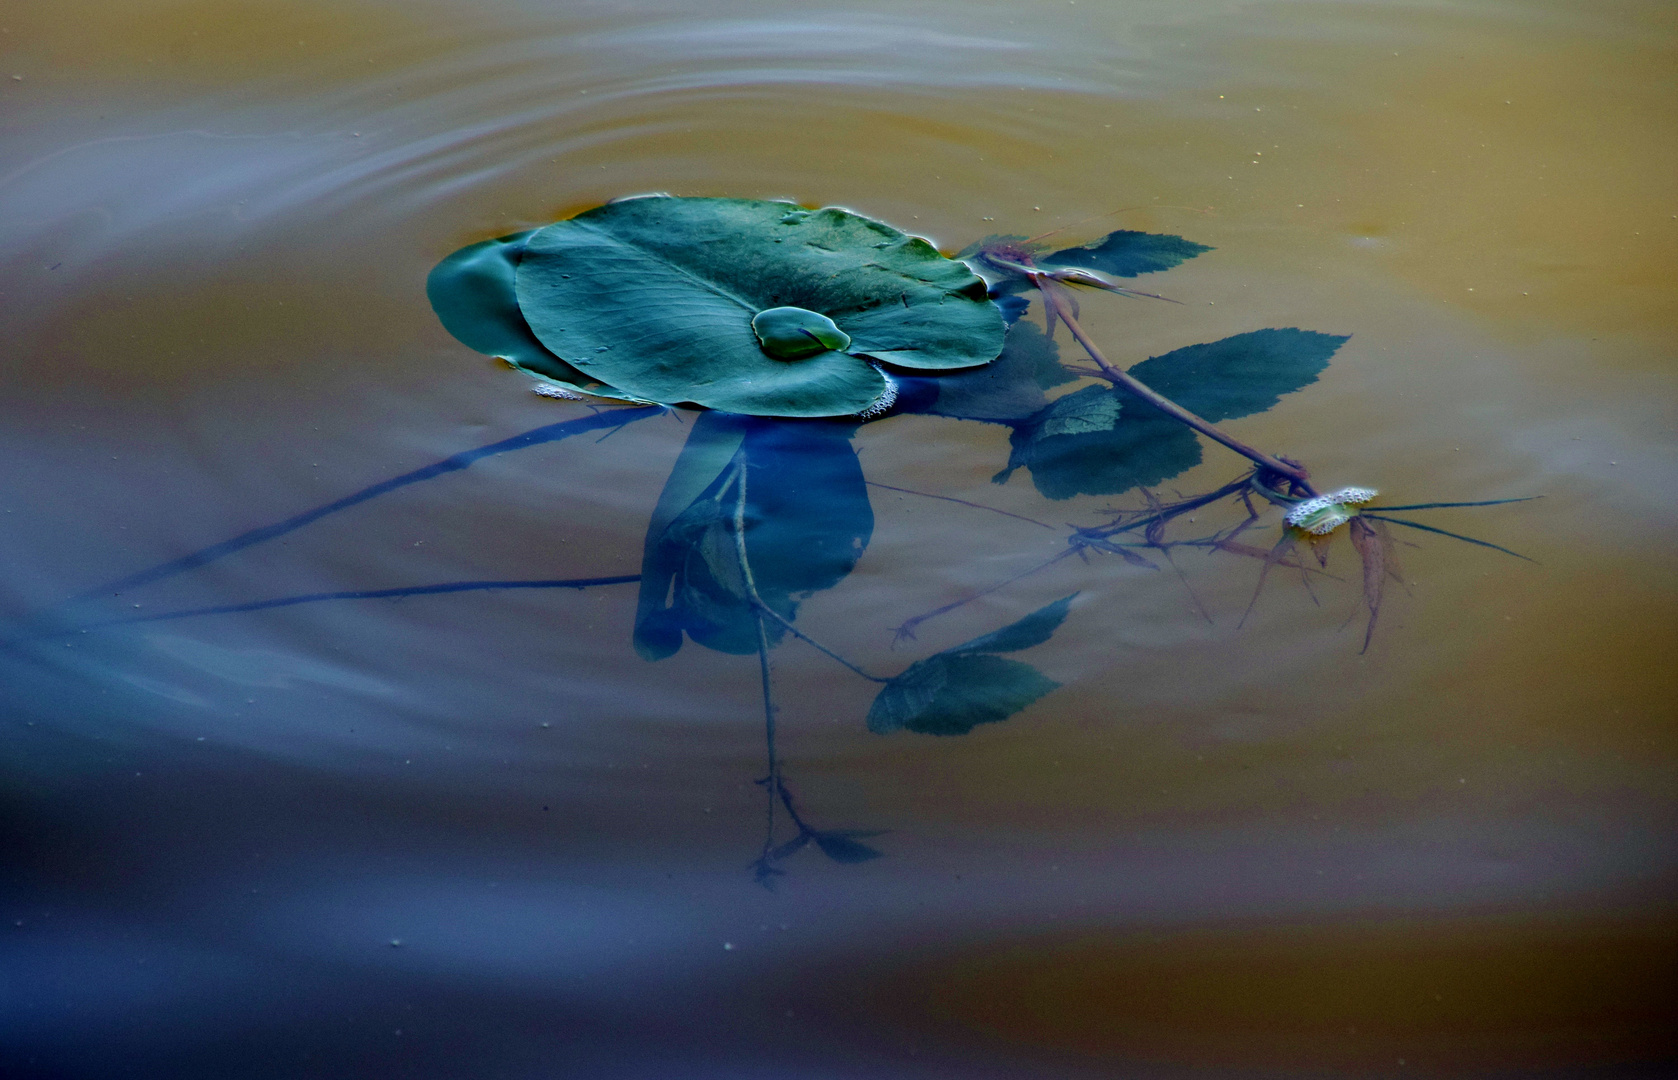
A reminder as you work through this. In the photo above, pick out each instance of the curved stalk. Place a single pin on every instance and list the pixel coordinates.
(1050, 291)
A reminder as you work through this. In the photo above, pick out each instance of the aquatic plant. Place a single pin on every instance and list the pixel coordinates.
(789, 327)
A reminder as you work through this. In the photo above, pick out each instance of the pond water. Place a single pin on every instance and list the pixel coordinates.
(475, 834)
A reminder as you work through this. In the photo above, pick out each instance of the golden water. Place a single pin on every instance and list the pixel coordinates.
(1216, 851)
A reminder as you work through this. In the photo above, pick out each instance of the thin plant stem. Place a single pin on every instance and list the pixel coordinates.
(751, 582)
(772, 782)
(1444, 532)
(358, 594)
(1063, 310)
(1441, 506)
(203, 556)
(963, 502)
(1166, 513)
(907, 629)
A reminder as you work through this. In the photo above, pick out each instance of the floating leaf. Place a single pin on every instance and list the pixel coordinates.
(1126, 254)
(657, 296)
(1240, 375)
(952, 692)
(1099, 441)
(807, 522)
(472, 292)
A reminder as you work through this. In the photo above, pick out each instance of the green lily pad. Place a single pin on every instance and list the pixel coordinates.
(473, 294)
(657, 296)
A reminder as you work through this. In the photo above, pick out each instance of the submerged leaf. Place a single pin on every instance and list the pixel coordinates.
(954, 691)
(1240, 375)
(842, 848)
(1034, 629)
(1012, 306)
(1099, 441)
(1126, 253)
(1278, 556)
(1009, 389)
(807, 521)
(657, 296)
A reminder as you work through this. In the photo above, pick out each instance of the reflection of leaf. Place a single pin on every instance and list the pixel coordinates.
(952, 692)
(841, 848)
(1240, 375)
(1099, 441)
(657, 297)
(791, 847)
(1012, 306)
(1127, 254)
(1034, 629)
(1080, 414)
(807, 522)
(1011, 387)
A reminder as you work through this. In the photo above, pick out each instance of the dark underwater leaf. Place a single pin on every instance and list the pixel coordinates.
(1099, 441)
(808, 520)
(657, 296)
(1240, 375)
(1009, 389)
(841, 848)
(1034, 629)
(952, 693)
(1126, 254)
(1011, 305)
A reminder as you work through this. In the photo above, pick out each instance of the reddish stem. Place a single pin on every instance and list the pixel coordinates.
(1050, 291)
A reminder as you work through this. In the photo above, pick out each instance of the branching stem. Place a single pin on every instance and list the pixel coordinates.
(1051, 293)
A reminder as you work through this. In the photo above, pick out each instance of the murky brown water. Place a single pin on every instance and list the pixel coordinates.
(1214, 852)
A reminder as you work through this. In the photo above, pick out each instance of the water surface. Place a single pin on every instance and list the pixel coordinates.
(475, 835)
